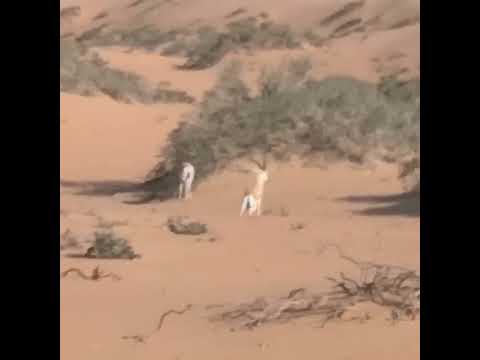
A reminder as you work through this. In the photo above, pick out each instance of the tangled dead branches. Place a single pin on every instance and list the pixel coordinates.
(393, 287)
(144, 338)
(96, 274)
(367, 269)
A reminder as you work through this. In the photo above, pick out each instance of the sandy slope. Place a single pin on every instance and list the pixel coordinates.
(389, 43)
(251, 257)
(300, 14)
(104, 141)
(92, 137)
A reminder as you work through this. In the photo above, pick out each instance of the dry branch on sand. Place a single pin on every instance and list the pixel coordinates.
(144, 338)
(96, 274)
(393, 287)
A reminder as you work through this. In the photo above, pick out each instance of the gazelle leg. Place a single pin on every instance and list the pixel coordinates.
(188, 189)
(181, 190)
(259, 207)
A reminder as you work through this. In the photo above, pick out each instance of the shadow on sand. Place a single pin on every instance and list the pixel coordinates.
(102, 188)
(160, 189)
(403, 204)
(77, 256)
(87, 258)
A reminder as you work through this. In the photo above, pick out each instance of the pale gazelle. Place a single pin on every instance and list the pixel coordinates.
(261, 177)
(260, 170)
(186, 179)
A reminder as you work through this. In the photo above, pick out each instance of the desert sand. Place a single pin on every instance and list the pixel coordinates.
(359, 208)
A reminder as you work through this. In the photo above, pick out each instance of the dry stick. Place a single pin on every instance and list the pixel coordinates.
(144, 338)
(95, 276)
(78, 271)
(364, 266)
(294, 292)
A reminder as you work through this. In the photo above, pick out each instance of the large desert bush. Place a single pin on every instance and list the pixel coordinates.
(294, 114)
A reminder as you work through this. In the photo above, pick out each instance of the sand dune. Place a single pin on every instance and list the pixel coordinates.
(106, 143)
(389, 42)
(301, 14)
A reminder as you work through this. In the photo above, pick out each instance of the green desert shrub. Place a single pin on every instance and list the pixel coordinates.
(294, 114)
(146, 37)
(107, 245)
(209, 45)
(82, 71)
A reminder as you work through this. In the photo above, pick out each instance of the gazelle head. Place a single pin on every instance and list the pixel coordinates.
(260, 165)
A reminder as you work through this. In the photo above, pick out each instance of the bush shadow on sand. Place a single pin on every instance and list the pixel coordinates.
(159, 189)
(401, 204)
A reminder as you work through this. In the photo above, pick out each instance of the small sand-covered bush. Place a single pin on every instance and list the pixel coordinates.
(183, 226)
(107, 245)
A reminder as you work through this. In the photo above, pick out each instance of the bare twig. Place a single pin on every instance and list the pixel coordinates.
(364, 266)
(96, 274)
(144, 338)
(169, 312)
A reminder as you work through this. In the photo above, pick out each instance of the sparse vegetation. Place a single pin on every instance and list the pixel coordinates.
(204, 47)
(135, 3)
(294, 114)
(69, 241)
(91, 34)
(84, 72)
(182, 226)
(314, 39)
(160, 95)
(70, 12)
(347, 9)
(206, 50)
(210, 45)
(410, 173)
(237, 12)
(108, 246)
(145, 37)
